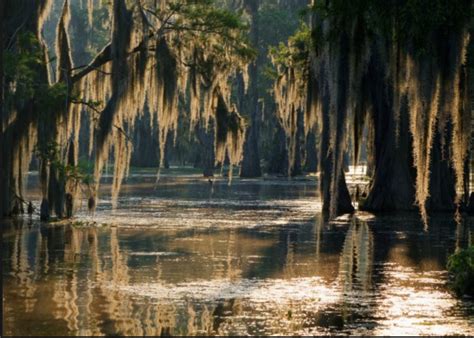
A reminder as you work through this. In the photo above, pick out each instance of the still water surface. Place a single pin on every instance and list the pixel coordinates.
(251, 258)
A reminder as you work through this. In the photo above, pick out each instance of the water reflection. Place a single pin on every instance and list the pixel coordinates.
(384, 275)
(355, 267)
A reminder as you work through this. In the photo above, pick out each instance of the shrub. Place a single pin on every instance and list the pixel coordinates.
(461, 269)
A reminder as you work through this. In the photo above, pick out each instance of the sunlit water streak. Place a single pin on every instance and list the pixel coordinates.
(252, 258)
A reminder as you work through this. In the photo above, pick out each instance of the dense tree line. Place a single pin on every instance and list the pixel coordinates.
(276, 87)
(155, 54)
(398, 70)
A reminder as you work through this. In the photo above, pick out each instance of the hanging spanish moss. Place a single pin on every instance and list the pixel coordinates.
(289, 96)
(291, 89)
(431, 81)
(18, 123)
(337, 65)
(364, 74)
(150, 69)
(230, 133)
(149, 62)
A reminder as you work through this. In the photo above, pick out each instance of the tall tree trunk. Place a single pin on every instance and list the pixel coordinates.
(207, 156)
(145, 140)
(4, 175)
(17, 123)
(297, 168)
(442, 178)
(278, 163)
(311, 158)
(168, 151)
(251, 157)
(392, 186)
(393, 182)
(343, 201)
(59, 192)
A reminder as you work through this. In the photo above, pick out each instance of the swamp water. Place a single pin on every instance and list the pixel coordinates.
(250, 258)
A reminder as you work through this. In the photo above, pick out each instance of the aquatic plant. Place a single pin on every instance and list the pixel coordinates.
(461, 268)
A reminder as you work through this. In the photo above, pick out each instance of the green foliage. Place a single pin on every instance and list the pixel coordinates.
(98, 35)
(86, 165)
(420, 18)
(294, 58)
(296, 52)
(52, 98)
(202, 13)
(407, 20)
(201, 21)
(51, 153)
(277, 24)
(461, 268)
(25, 73)
(22, 68)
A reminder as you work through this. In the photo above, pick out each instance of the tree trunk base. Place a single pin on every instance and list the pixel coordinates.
(344, 203)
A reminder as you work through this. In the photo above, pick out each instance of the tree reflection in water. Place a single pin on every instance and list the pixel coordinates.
(380, 276)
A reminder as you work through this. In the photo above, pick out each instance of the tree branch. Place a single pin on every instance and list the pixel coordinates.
(102, 58)
(98, 112)
(166, 25)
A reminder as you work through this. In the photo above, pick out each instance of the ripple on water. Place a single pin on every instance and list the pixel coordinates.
(180, 214)
(254, 258)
